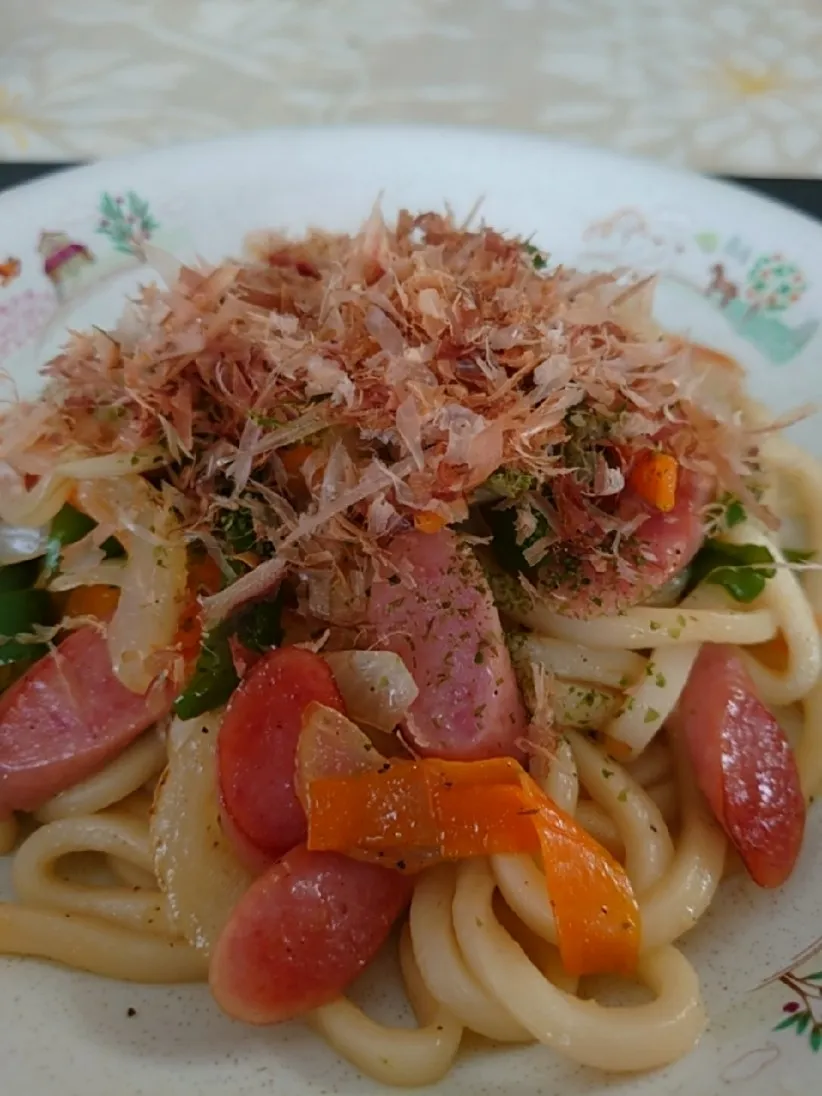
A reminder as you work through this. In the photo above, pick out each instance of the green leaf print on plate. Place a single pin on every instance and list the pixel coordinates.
(127, 222)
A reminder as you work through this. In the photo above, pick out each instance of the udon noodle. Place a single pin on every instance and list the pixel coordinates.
(98, 873)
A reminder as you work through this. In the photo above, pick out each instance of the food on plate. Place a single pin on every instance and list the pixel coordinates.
(401, 581)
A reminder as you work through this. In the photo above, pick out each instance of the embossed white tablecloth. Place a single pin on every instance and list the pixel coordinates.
(733, 87)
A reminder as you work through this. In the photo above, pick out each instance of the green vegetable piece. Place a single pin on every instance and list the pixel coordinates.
(734, 512)
(214, 680)
(510, 483)
(67, 527)
(269, 421)
(112, 548)
(509, 554)
(70, 524)
(793, 555)
(741, 569)
(20, 611)
(238, 529)
(19, 576)
(260, 626)
(538, 258)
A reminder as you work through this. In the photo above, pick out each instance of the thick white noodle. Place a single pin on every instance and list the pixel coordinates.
(680, 897)
(806, 475)
(790, 461)
(135, 767)
(653, 764)
(649, 850)
(603, 829)
(37, 881)
(651, 701)
(101, 947)
(130, 875)
(557, 775)
(614, 668)
(618, 1039)
(394, 1056)
(809, 748)
(637, 629)
(794, 615)
(442, 967)
(672, 905)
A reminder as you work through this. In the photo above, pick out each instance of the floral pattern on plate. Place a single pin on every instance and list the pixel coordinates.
(756, 292)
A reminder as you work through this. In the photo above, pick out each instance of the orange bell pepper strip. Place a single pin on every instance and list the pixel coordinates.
(413, 813)
(294, 457)
(597, 915)
(93, 601)
(204, 577)
(429, 521)
(654, 477)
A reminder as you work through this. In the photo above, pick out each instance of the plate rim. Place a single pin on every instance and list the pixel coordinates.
(19, 193)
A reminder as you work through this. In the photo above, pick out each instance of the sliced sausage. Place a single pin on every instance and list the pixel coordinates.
(440, 618)
(743, 763)
(662, 545)
(256, 750)
(302, 932)
(65, 719)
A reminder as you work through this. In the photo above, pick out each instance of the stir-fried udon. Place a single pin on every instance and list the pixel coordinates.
(401, 580)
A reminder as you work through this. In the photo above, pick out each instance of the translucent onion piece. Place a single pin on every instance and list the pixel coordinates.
(111, 465)
(21, 542)
(143, 629)
(330, 745)
(109, 572)
(194, 861)
(35, 507)
(376, 686)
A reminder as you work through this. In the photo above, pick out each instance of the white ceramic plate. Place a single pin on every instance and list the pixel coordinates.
(739, 273)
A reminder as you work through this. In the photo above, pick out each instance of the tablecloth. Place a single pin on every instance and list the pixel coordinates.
(724, 87)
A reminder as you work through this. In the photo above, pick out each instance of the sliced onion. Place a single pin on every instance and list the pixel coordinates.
(111, 465)
(153, 581)
(330, 745)
(35, 507)
(109, 572)
(180, 730)
(144, 625)
(197, 869)
(264, 579)
(376, 686)
(21, 542)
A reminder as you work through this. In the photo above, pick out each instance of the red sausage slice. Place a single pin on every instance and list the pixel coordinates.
(661, 546)
(65, 719)
(256, 750)
(447, 630)
(302, 932)
(744, 764)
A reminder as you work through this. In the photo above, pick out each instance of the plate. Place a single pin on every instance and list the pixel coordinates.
(737, 272)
